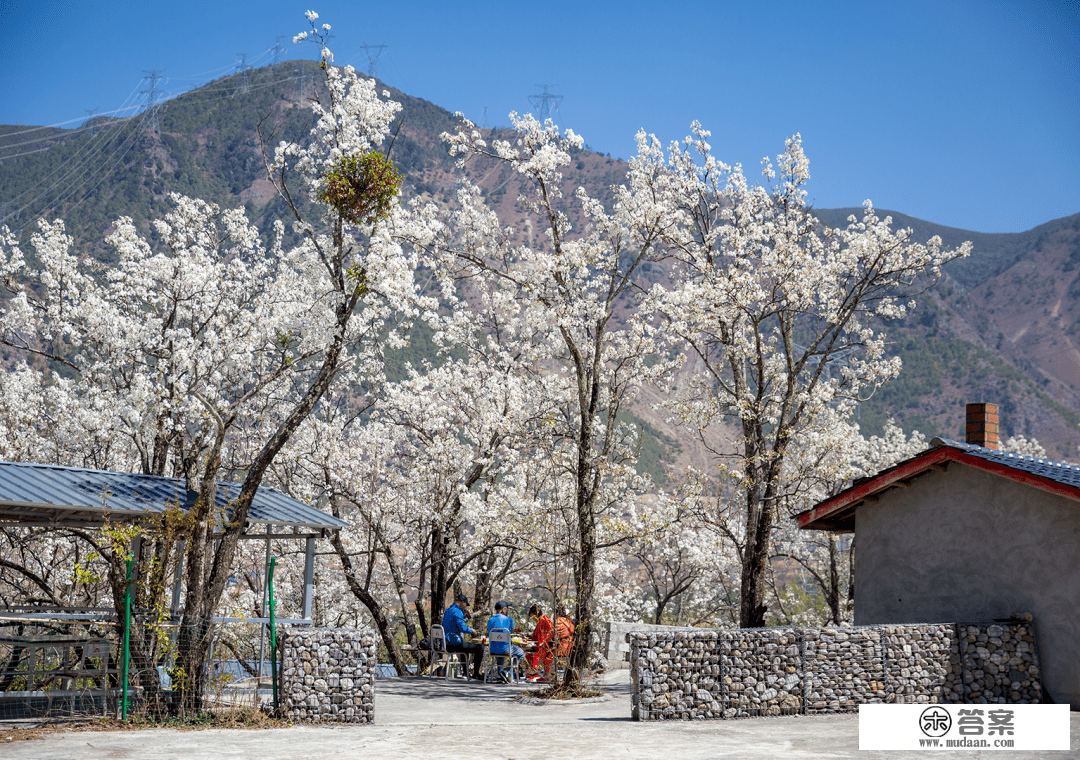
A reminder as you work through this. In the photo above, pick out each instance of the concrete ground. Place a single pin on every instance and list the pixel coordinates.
(420, 718)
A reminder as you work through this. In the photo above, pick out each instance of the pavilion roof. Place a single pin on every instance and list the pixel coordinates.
(50, 495)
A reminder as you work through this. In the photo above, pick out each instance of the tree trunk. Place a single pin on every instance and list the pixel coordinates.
(585, 561)
(378, 613)
(834, 581)
(206, 588)
(438, 575)
(402, 594)
(755, 565)
(586, 585)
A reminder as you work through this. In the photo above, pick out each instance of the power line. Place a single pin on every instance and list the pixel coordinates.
(92, 149)
(136, 130)
(8, 210)
(545, 102)
(27, 152)
(106, 154)
(53, 137)
(97, 128)
(130, 141)
(60, 124)
(87, 153)
(379, 49)
(92, 159)
(163, 94)
(93, 154)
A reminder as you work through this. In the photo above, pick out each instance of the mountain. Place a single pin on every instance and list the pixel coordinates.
(1000, 326)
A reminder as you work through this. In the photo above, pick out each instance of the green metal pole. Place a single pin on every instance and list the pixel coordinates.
(273, 632)
(127, 642)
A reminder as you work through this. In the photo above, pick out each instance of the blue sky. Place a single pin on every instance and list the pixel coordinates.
(962, 113)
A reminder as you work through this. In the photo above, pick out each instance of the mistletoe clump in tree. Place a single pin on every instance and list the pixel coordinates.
(362, 187)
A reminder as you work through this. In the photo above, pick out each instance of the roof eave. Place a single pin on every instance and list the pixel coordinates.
(47, 514)
(837, 513)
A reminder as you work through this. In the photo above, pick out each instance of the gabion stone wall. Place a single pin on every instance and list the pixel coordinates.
(613, 646)
(708, 674)
(328, 674)
(999, 663)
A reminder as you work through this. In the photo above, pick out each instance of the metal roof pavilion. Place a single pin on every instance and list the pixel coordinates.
(54, 496)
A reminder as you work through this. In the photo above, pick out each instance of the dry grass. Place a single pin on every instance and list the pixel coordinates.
(558, 691)
(20, 734)
(243, 718)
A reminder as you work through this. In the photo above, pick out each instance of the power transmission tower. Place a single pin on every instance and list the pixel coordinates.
(483, 121)
(278, 49)
(301, 73)
(90, 115)
(242, 68)
(545, 102)
(154, 75)
(379, 50)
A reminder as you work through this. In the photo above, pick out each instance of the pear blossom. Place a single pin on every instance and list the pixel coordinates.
(200, 355)
(780, 315)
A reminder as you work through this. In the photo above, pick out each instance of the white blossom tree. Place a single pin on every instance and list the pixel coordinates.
(821, 463)
(211, 352)
(429, 477)
(779, 311)
(566, 291)
(1026, 447)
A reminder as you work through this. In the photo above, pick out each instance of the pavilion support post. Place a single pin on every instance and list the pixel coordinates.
(309, 577)
(178, 579)
(174, 605)
(136, 556)
(262, 613)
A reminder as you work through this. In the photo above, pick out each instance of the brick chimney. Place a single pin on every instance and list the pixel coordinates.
(982, 425)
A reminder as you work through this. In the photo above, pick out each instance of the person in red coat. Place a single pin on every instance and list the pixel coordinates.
(541, 635)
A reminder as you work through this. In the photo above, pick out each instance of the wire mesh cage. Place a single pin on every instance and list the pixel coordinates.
(58, 669)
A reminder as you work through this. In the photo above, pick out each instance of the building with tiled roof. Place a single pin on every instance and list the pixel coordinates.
(965, 531)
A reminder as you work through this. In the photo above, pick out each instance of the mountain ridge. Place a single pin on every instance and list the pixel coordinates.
(1002, 325)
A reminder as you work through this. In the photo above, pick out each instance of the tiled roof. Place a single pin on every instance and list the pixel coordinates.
(1059, 472)
(42, 493)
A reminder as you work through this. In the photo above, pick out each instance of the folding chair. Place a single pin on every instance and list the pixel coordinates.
(440, 655)
(497, 663)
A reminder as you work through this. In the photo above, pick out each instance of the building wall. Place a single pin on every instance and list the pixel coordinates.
(970, 545)
(701, 674)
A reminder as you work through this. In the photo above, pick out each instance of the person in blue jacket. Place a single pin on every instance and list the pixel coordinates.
(454, 626)
(502, 620)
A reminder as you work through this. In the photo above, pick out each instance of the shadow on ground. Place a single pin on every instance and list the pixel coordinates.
(422, 700)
